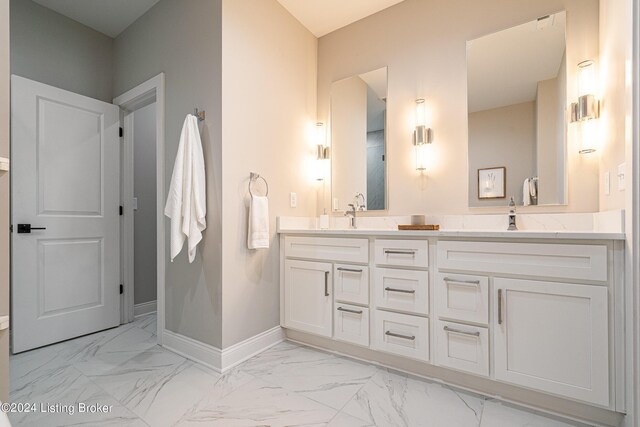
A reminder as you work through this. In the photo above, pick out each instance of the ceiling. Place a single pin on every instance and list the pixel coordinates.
(109, 17)
(504, 68)
(324, 16)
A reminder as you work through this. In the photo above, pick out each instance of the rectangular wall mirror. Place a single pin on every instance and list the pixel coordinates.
(517, 102)
(358, 141)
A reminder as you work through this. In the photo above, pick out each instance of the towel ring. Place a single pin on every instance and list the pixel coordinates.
(254, 176)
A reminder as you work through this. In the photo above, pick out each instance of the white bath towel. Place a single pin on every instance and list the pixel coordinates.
(529, 191)
(187, 200)
(258, 233)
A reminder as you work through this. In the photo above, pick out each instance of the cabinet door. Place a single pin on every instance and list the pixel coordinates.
(553, 337)
(307, 296)
(351, 283)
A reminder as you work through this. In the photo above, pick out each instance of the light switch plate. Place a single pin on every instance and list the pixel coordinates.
(621, 180)
(607, 183)
(293, 199)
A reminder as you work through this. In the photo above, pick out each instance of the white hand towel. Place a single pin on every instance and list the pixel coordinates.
(187, 200)
(258, 233)
(526, 193)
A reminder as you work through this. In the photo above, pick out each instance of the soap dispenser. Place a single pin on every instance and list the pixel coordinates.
(512, 215)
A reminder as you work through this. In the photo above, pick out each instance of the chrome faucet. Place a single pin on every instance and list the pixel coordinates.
(352, 215)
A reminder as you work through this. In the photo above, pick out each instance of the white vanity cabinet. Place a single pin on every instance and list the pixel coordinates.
(308, 296)
(544, 315)
(553, 337)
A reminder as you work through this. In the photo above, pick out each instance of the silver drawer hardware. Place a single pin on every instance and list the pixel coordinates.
(406, 337)
(471, 282)
(409, 252)
(351, 270)
(347, 310)
(458, 331)
(326, 283)
(499, 306)
(404, 291)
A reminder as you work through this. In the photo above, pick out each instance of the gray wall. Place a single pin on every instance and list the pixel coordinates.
(4, 196)
(502, 137)
(144, 189)
(53, 49)
(183, 40)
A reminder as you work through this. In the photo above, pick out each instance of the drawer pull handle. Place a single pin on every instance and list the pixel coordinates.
(351, 270)
(389, 251)
(326, 283)
(471, 282)
(406, 337)
(404, 291)
(348, 310)
(458, 331)
(499, 306)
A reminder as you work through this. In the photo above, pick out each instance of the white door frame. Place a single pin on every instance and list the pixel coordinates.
(138, 97)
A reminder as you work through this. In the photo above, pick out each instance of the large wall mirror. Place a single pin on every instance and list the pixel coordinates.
(517, 100)
(358, 141)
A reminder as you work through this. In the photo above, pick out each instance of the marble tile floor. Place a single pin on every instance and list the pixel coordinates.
(143, 384)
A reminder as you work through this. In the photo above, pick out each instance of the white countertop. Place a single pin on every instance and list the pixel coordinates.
(525, 234)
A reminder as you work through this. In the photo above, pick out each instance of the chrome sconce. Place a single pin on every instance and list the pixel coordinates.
(588, 106)
(322, 151)
(422, 135)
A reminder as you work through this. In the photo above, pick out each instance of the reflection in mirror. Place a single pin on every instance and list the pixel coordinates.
(517, 90)
(358, 140)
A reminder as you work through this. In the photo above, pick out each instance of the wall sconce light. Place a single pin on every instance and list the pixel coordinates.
(323, 152)
(422, 135)
(588, 106)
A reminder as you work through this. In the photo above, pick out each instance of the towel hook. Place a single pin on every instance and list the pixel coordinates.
(254, 176)
(199, 114)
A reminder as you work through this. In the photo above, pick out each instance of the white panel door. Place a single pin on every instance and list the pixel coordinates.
(308, 296)
(65, 180)
(553, 337)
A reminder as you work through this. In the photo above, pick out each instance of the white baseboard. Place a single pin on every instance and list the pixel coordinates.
(145, 308)
(221, 360)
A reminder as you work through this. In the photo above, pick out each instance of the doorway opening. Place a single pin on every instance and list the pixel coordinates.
(142, 231)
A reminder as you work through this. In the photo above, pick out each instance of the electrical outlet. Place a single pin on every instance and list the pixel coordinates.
(293, 200)
(335, 204)
(607, 183)
(621, 180)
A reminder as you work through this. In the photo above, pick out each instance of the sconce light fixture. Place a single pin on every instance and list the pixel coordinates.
(323, 152)
(422, 135)
(588, 106)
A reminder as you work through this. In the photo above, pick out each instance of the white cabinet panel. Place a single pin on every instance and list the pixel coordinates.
(351, 324)
(308, 297)
(402, 253)
(462, 347)
(351, 283)
(582, 262)
(462, 297)
(327, 248)
(403, 290)
(553, 337)
(401, 334)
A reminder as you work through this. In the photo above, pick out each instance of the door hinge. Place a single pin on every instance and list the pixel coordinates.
(121, 133)
(121, 210)
(121, 289)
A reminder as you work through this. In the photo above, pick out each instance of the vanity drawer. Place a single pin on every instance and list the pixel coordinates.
(403, 253)
(403, 290)
(583, 262)
(462, 347)
(351, 324)
(327, 248)
(351, 283)
(462, 297)
(401, 334)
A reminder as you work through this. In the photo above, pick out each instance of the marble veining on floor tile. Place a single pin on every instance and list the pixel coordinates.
(287, 385)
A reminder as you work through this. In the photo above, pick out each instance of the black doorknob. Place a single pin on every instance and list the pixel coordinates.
(26, 228)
